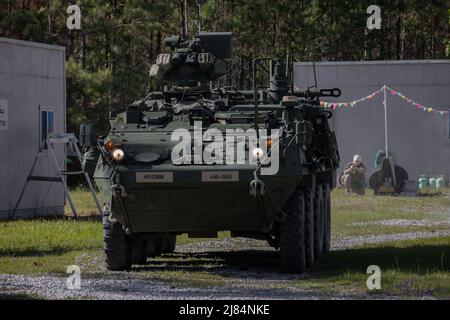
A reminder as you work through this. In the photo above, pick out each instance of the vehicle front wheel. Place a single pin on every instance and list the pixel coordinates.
(309, 226)
(116, 245)
(327, 218)
(292, 234)
(318, 221)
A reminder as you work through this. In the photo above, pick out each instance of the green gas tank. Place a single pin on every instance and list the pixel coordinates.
(432, 184)
(423, 183)
(440, 183)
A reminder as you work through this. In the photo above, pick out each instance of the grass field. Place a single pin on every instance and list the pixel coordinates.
(84, 202)
(410, 268)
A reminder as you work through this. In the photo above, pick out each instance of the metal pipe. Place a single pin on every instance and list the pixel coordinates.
(255, 101)
(386, 145)
(255, 98)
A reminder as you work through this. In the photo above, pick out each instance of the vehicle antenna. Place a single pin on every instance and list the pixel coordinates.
(184, 18)
(199, 22)
(315, 74)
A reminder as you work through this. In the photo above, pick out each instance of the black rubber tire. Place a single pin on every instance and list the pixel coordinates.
(318, 221)
(309, 226)
(153, 247)
(139, 252)
(327, 218)
(292, 235)
(168, 244)
(117, 246)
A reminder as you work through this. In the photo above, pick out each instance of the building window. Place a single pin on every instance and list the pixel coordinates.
(47, 126)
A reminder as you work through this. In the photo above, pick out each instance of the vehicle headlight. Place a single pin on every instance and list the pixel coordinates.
(117, 154)
(258, 153)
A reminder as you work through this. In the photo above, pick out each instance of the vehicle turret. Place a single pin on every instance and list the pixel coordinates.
(193, 62)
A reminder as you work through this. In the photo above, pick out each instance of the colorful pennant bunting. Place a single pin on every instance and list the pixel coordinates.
(352, 104)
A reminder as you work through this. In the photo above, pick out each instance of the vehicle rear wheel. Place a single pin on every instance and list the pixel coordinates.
(292, 234)
(318, 221)
(327, 218)
(139, 252)
(309, 226)
(157, 246)
(153, 247)
(116, 245)
(168, 244)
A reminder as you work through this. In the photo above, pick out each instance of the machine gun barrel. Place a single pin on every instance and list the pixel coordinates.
(335, 93)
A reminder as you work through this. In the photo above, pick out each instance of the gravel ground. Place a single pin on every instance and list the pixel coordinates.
(125, 288)
(232, 258)
(246, 276)
(403, 223)
(224, 245)
(341, 243)
(350, 242)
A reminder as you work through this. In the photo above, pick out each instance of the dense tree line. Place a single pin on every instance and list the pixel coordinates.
(108, 60)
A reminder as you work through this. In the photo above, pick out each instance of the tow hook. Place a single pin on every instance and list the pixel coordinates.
(257, 188)
(118, 190)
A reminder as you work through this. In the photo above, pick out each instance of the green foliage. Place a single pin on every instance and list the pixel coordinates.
(88, 91)
(108, 60)
(447, 41)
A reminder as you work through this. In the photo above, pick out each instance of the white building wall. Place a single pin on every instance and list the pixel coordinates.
(32, 76)
(419, 141)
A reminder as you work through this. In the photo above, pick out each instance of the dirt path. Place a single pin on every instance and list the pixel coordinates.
(122, 287)
(247, 269)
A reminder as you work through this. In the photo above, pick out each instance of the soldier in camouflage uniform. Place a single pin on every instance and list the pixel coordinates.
(354, 178)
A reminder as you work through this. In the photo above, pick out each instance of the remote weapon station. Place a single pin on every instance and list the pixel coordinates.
(195, 159)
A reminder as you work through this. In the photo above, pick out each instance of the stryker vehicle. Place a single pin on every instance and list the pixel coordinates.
(155, 190)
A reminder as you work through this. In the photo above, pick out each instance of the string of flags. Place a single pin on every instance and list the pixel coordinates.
(352, 104)
(334, 106)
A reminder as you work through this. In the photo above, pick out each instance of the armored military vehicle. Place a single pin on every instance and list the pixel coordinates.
(196, 159)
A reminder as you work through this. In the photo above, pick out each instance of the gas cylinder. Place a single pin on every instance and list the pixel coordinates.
(423, 183)
(440, 182)
(432, 184)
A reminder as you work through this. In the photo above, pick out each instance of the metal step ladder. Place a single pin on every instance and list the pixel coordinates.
(69, 140)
